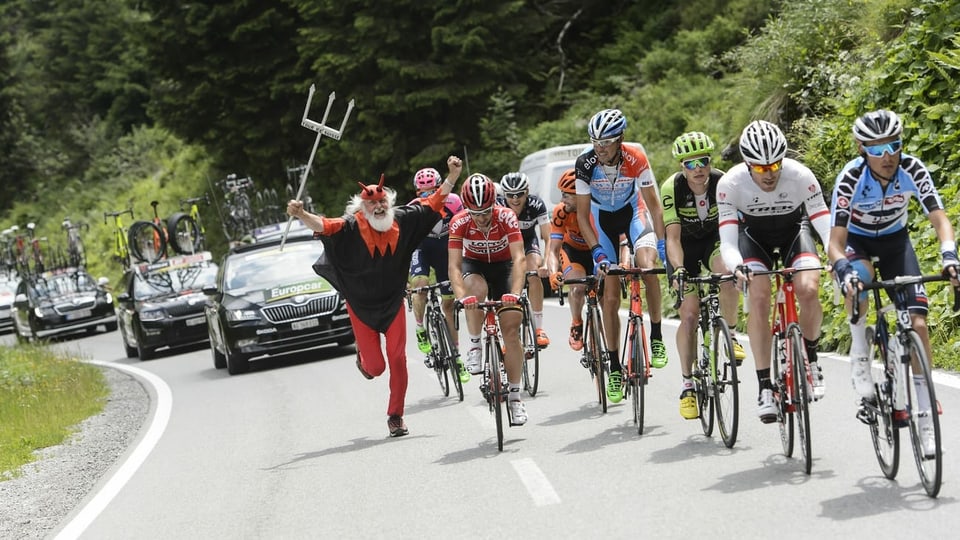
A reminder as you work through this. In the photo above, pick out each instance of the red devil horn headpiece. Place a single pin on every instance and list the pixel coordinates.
(373, 192)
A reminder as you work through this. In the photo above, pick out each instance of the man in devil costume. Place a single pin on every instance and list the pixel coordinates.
(366, 257)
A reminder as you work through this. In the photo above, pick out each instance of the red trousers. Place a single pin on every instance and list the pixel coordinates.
(371, 355)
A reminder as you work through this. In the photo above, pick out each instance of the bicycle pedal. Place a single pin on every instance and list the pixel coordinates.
(864, 415)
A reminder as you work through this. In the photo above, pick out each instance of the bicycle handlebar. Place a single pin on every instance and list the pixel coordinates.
(898, 282)
(117, 214)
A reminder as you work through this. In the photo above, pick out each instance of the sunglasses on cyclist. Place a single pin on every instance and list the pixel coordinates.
(603, 143)
(514, 194)
(477, 213)
(761, 169)
(878, 150)
(696, 163)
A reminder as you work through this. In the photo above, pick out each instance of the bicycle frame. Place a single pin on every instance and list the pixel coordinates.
(121, 250)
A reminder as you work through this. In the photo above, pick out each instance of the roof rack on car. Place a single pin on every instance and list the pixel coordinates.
(175, 262)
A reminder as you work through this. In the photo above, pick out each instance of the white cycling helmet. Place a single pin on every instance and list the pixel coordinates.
(515, 181)
(607, 124)
(876, 125)
(762, 143)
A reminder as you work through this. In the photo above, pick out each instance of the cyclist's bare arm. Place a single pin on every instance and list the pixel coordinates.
(455, 272)
(583, 220)
(518, 271)
(652, 199)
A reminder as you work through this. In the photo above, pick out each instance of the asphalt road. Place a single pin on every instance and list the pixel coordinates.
(298, 448)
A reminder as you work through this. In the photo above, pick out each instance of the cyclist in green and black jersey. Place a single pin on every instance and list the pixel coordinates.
(690, 217)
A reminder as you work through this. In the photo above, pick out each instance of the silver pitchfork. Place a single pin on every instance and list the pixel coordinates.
(322, 129)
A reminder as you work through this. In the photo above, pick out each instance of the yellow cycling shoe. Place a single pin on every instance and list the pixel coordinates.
(688, 404)
(738, 353)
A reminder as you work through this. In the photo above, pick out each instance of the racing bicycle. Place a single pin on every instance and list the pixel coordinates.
(594, 353)
(444, 357)
(187, 234)
(528, 338)
(715, 371)
(897, 359)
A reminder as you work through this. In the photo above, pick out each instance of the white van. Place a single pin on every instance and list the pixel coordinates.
(544, 168)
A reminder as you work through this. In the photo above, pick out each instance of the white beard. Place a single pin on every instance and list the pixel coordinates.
(382, 223)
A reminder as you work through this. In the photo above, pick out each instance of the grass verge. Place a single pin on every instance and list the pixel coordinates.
(43, 396)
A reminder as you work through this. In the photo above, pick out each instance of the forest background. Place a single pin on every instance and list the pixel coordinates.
(109, 104)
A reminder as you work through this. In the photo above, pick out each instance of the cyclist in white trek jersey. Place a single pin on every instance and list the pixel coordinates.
(769, 203)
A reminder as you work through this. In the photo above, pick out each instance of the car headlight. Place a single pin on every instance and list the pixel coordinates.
(152, 315)
(108, 298)
(237, 315)
(40, 312)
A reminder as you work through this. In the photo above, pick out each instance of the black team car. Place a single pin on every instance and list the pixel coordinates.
(161, 304)
(61, 302)
(269, 301)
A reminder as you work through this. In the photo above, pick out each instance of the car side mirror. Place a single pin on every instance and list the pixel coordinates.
(210, 290)
(20, 300)
(123, 297)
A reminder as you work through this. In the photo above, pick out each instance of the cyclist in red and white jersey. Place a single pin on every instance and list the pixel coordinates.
(768, 203)
(616, 195)
(487, 261)
(534, 218)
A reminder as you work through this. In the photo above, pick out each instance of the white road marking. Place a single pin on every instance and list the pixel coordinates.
(161, 416)
(540, 489)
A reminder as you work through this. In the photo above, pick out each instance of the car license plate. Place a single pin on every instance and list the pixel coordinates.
(82, 314)
(309, 323)
(196, 321)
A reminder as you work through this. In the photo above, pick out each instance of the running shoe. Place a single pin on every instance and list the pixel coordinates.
(396, 426)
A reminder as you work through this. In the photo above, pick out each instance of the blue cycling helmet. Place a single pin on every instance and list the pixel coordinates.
(607, 124)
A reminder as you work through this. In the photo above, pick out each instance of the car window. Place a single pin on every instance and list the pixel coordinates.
(173, 281)
(267, 268)
(62, 284)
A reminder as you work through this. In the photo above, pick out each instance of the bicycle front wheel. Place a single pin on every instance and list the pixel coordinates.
(595, 352)
(726, 385)
(883, 431)
(778, 377)
(704, 383)
(531, 353)
(436, 355)
(924, 417)
(147, 241)
(801, 394)
(637, 373)
(495, 386)
(444, 352)
(185, 237)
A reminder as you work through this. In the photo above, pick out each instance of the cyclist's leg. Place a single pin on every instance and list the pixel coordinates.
(757, 258)
(534, 259)
(729, 305)
(420, 277)
(574, 263)
(476, 283)
(645, 256)
(803, 254)
(610, 227)
(396, 348)
(510, 320)
(858, 252)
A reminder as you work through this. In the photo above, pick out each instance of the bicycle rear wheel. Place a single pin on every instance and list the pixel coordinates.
(445, 353)
(437, 358)
(928, 464)
(147, 241)
(801, 394)
(883, 431)
(778, 377)
(185, 237)
(495, 386)
(531, 353)
(726, 385)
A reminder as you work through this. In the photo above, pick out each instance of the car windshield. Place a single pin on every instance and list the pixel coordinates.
(63, 284)
(267, 268)
(174, 281)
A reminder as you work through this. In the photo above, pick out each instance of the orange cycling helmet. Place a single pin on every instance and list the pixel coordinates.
(568, 182)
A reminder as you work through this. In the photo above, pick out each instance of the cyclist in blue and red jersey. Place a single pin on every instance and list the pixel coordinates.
(616, 195)
(869, 218)
(487, 261)
(534, 218)
(432, 253)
